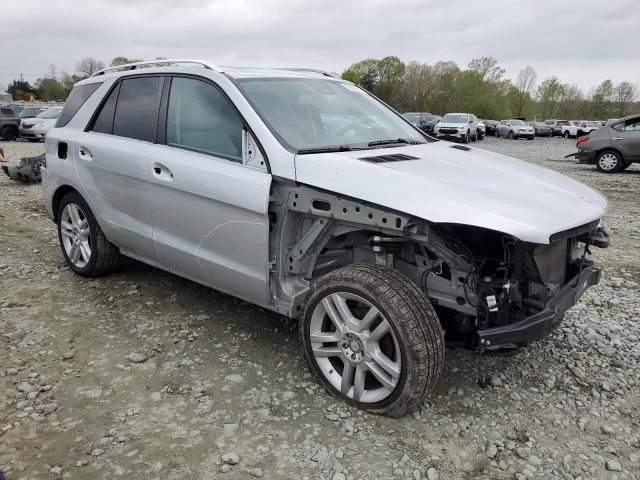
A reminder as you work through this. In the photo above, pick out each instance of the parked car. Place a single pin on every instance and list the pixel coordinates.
(611, 148)
(482, 130)
(228, 178)
(31, 112)
(490, 126)
(556, 126)
(424, 121)
(9, 123)
(585, 127)
(35, 129)
(541, 129)
(515, 129)
(457, 126)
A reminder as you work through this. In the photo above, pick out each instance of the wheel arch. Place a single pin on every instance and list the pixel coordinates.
(57, 197)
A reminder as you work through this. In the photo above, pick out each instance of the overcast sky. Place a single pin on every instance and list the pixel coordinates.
(582, 42)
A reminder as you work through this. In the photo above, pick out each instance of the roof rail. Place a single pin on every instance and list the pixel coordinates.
(312, 70)
(165, 61)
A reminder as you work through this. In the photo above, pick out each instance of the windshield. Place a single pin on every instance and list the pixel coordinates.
(518, 123)
(53, 113)
(593, 124)
(30, 112)
(309, 113)
(412, 117)
(455, 118)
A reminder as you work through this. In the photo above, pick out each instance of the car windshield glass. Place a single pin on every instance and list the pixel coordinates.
(412, 117)
(518, 123)
(53, 113)
(29, 112)
(593, 124)
(454, 118)
(311, 113)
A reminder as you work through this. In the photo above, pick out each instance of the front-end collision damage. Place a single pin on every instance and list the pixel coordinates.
(489, 288)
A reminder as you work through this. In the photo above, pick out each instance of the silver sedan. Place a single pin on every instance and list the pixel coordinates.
(35, 129)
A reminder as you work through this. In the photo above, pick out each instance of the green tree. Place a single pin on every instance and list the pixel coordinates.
(623, 95)
(21, 90)
(601, 106)
(487, 68)
(549, 93)
(124, 60)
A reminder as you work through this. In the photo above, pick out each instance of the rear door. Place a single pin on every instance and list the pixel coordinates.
(626, 136)
(209, 209)
(113, 162)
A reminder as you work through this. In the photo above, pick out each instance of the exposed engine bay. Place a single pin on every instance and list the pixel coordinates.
(477, 279)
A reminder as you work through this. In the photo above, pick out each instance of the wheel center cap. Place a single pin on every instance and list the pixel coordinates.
(355, 346)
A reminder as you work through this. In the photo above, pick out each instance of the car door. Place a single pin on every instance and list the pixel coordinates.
(112, 161)
(209, 208)
(626, 137)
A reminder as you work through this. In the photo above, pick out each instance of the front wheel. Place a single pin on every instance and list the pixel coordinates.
(609, 161)
(510, 136)
(85, 248)
(465, 138)
(8, 134)
(373, 339)
(566, 134)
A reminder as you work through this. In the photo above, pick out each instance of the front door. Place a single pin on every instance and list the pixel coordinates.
(626, 136)
(209, 210)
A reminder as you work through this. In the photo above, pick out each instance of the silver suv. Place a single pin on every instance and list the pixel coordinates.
(302, 193)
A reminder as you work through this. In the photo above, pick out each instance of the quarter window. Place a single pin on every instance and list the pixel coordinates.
(104, 121)
(136, 113)
(77, 97)
(201, 118)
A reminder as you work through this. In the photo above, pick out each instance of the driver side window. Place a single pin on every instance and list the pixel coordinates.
(202, 119)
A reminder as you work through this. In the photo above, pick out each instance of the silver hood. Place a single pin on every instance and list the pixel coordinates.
(448, 185)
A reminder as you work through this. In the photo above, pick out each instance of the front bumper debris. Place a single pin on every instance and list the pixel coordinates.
(542, 323)
(26, 169)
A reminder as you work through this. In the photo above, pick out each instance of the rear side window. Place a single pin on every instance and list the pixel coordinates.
(104, 121)
(202, 119)
(77, 97)
(8, 112)
(136, 113)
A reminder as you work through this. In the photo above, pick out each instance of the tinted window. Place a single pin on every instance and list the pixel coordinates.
(136, 113)
(8, 112)
(104, 122)
(201, 118)
(629, 125)
(76, 99)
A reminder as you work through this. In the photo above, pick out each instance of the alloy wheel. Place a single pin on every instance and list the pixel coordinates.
(608, 162)
(76, 235)
(355, 347)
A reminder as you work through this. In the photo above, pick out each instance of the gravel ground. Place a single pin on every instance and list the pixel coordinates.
(142, 374)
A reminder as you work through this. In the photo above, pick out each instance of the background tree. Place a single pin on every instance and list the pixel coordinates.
(601, 101)
(20, 90)
(124, 60)
(525, 83)
(487, 68)
(623, 94)
(549, 93)
(88, 66)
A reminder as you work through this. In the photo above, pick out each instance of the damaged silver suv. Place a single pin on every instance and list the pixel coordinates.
(300, 192)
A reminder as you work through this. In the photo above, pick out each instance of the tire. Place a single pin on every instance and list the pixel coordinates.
(102, 257)
(474, 138)
(510, 135)
(609, 161)
(414, 339)
(465, 138)
(530, 138)
(566, 134)
(497, 133)
(8, 134)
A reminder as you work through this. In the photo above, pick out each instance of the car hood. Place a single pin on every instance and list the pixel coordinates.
(451, 125)
(446, 184)
(522, 127)
(34, 121)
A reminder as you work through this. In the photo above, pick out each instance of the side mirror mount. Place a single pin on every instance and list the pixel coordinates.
(251, 154)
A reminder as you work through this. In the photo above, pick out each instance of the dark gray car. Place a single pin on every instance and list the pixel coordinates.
(613, 147)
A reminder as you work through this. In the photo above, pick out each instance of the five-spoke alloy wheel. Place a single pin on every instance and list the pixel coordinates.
(372, 338)
(76, 235)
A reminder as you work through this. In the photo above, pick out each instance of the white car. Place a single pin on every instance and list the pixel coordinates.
(462, 127)
(300, 192)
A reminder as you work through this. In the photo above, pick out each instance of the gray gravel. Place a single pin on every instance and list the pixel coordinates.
(223, 392)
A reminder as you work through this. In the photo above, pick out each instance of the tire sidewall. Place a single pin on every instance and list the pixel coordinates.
(75, 198)
(618, 158)
(315, 298)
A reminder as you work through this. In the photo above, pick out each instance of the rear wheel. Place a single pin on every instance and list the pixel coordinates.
(566, 134)
(609, 161)
(84, 246)
(373, 339)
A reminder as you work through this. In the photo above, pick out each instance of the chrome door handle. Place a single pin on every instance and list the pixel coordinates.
(85, 154)
(161, 172)
(617, 138)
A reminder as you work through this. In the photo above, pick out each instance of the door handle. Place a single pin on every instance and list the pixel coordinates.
(162, 173)
(617, 138)
(85, 154)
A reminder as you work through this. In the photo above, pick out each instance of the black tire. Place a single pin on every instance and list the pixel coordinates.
(530, 138)
(9, 134)
(414, 323)
(465, 138)
(510, 135)
(609, 161)
(566, 134)
(105, 257)
(474, 138)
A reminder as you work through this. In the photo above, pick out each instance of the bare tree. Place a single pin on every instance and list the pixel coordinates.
(623, 94)
(88, 66)
(524, 84)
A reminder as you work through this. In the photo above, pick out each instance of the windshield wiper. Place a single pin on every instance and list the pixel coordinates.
(337, 148)
(394, 141)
